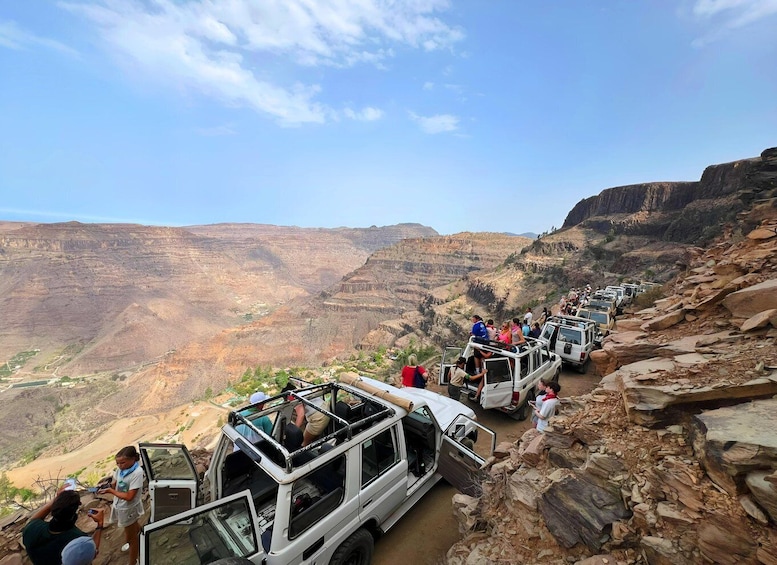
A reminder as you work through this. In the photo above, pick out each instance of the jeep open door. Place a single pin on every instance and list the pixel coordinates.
(498, 390)
(172, 478)
(449, 357)
(221, 529)
(465, 447)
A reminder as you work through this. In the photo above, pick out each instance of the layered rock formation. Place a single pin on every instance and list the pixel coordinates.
(681, 211)
(127, 294)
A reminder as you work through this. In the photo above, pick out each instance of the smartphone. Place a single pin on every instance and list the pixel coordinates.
(92, 489)
(92, 511)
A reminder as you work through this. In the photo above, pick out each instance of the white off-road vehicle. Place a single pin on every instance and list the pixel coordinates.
(571, 338)
(511, 376)
(276, 502)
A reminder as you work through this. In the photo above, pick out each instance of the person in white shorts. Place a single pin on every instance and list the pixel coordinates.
(127, 491)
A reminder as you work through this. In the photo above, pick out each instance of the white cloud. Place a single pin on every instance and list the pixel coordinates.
(439, 123)
(428, 85)
(227, 49)
(367, 114)
(730, 15)
(15, 37)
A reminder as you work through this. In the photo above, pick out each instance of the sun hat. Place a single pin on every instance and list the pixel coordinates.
(257, 397)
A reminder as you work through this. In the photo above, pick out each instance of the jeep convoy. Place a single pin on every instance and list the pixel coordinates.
(274, 501)
(511, 376)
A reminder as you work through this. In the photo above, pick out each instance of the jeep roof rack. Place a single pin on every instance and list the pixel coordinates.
(501, 349)
(571, 320)
(343, 429)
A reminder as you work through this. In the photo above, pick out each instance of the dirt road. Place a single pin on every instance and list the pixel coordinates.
(426, 533)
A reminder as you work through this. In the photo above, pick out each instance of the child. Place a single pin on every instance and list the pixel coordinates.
(126, 488)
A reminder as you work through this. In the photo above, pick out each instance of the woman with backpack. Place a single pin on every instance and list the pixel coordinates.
(414, 374)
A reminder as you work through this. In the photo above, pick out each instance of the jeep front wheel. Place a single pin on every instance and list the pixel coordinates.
(356, 550)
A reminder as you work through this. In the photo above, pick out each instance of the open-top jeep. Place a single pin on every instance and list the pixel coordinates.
(274, 501)
(511, 375)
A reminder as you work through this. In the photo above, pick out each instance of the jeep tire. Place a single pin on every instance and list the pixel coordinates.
(356, 550)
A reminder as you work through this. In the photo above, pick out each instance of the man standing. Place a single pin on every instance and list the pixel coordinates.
(528, 317)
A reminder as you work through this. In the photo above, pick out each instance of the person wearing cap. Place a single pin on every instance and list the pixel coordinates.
(45, 540)
(263, 422)
(83, 550)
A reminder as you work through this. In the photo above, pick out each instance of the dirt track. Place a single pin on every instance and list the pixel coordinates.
(426, 533)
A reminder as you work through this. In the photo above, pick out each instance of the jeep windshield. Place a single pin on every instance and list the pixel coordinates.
(598, 317)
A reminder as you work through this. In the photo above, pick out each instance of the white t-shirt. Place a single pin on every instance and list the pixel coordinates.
(547, 410)
(132, 481)
(528, 317)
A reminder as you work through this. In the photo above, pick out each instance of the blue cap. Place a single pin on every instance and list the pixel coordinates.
(80, 551)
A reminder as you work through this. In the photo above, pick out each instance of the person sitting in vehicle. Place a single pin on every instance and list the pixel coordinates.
(307, 418)
(518, 339)
(263, 423)
(535, 331)
(505, 336)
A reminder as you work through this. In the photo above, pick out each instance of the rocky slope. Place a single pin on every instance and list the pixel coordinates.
(672, 460)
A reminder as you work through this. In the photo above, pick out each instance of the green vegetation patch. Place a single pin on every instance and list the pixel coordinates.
(17, 361)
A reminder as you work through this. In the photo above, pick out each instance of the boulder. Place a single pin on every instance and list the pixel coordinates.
(734, 441)
(660, 551)
(465, 508)
(524, 488)
(726, 542)
(649, 405)
(604, 362)
(750, 301)
(762, 233)
(629, 324)
(760, 320)
(531, 455)
(629, 347)
(576, 510)
(764, 492)
(752, 509)
(606, 559)
(665, 321)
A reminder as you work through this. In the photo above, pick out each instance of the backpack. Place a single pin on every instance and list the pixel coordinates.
(418, 379)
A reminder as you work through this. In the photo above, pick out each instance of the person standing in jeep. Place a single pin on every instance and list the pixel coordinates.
(479, 329)
(414, 374)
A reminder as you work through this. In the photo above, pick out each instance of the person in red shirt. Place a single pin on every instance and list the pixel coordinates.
(409, 371)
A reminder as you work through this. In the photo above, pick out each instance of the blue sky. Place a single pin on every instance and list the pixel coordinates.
(477, 115)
